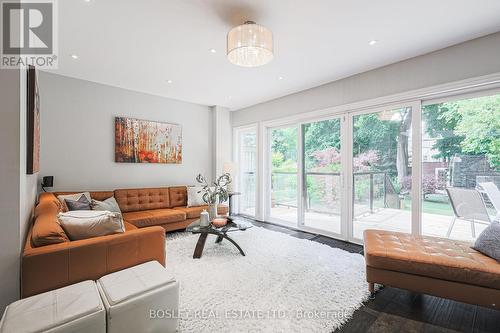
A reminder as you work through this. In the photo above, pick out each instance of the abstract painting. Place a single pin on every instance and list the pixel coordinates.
(32, 123)
(143, 141)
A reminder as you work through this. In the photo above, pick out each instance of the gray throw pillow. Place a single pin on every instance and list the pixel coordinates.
(488, 242)
(81, 204)
(109, 204)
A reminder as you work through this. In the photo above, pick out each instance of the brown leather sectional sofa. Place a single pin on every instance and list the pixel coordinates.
(430, 265)
(51, 260)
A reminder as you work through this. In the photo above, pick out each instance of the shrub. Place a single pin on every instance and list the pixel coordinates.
(429, 184)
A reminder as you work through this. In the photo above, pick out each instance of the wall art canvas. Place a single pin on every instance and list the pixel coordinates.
(32, 123)
(143, 141)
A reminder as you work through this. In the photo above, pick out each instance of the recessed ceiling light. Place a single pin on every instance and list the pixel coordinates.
(372, 42)
(212, 50)
(169, 81)
(74, 56)
(280, 78)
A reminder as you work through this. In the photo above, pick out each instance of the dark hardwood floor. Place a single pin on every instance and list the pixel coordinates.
(397, 310)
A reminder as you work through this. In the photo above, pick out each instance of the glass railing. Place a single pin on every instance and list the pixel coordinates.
(372, 190)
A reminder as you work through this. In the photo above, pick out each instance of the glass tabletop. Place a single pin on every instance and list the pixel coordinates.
(232, 225)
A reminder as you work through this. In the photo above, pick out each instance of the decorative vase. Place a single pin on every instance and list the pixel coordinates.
(212, 211)
(204, 219)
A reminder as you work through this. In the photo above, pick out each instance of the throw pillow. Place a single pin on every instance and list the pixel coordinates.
(83, 224)
(194, 198)
(75, 196)
(109, 204)
(488, 242)
(81, 204)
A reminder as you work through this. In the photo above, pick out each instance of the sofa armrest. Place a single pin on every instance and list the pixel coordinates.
(53, 266)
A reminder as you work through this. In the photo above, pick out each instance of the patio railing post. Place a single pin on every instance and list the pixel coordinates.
(371, 192)
(385, 190)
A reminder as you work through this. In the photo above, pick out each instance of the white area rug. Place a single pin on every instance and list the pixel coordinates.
(283, 284)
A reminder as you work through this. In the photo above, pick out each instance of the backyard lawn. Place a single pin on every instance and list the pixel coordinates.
(433, 204)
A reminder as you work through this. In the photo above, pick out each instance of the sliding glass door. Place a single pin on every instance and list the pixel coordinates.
(321, 147)
(382, 157)
(283, 202)
(460, 166)
(345, 174)
(405, 167)
(247, 161)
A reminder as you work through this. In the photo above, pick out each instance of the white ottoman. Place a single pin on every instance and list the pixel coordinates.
(76, 308)
(135, 296)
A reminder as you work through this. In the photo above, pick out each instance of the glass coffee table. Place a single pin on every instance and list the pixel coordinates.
(221, 233)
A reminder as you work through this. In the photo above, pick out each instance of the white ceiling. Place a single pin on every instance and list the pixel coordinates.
(139, 45)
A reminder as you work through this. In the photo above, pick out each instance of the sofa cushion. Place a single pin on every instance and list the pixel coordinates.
(129, 226)
(133, 200)
(47, 230)
(433, 257)
(83, 224)
(194, 212)
(49, 200)
(195, 196)
(101, 195)
(47, 207)
(178, 196)
(62, 198)
(488, 241)
(81, 204)
(97, 195)
(109, 204)
(152, 217)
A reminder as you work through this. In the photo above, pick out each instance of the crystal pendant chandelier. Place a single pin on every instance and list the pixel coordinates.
(250, 45)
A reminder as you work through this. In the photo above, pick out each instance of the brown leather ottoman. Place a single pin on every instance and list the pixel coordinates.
(431, 265)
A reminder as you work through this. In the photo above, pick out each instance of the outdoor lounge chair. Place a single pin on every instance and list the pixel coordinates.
(493, 194)
(468, 205)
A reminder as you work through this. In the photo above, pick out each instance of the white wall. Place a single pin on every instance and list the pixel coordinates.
(9, 195)
(77, 126)
(222, 138)
(18, 192)
(467, 60)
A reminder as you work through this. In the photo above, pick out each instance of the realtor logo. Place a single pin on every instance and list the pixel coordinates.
(29, 34)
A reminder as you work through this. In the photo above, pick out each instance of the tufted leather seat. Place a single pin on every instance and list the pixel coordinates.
(162, 206)
(133, 200)
(431, 265)
(146, 218)
(430, 256)
(178, 196)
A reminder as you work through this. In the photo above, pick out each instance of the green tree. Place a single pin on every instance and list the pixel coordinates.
(284, 141)
(470, 126)
(319, 136)
(480, 127)
(441, 121)
(373, 133)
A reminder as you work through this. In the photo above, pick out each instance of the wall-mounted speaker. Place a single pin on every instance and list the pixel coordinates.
(47, 181)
